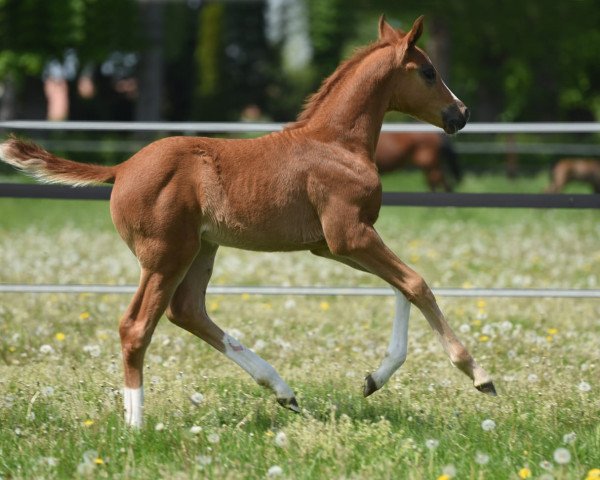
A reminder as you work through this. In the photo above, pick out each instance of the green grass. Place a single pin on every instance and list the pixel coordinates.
(539, 352)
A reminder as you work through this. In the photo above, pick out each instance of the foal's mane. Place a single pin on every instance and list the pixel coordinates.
(313, 100)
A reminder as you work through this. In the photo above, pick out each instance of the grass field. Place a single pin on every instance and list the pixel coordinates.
(60, 371)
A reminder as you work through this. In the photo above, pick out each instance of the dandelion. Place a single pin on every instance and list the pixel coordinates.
(281, 439)
(524, 473)
(584, 387)
(46, 349)
(159, 427)
(98, 461)
(444, 476)
(59, 336)
(484, 338)
(464, 328)
(195, 430)
(289, 304)
(546, 465)
(84, 315)
(50, 461)
(482, 458)
(92, 350)
(569, 437)
(48, 391)
(432, 443)
(593, 474)
(85, 469)
(245, 296)
(88, 423)
(213, 438)
(562, 456)
(324, 306)
(532, 378)
(274, 471)
(204, 459)
(449, 471)
(481, 304)
(552, 331)
(213, 307)
(89, 456)
(488, 425)
(197, 398)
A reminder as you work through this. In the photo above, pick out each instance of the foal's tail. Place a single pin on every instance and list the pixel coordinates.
(37, 162)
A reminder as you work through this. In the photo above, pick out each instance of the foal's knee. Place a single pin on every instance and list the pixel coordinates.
(134, 339)
(417, 291)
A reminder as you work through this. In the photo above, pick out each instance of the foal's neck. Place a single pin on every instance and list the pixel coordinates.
(352, 113)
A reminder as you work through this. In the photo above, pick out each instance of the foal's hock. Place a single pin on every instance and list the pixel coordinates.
(313, 186)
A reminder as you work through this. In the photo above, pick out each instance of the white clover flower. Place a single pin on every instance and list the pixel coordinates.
(569, 437)
(274, 471)
(464, 328)
(196, 429)
(159, 427)
(213, 438)
(488, 425)
(562, 456)
(532, 378)
(432, 443)
(584, 387)
(46, 349)
(482, 458)
(204, 459)
(281, 439)
(48, 391)
(197, 398)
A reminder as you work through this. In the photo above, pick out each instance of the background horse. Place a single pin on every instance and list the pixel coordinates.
(426, 151)
(567, 170)
(313, 186)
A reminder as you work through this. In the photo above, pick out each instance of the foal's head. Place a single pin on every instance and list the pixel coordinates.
(418, 88)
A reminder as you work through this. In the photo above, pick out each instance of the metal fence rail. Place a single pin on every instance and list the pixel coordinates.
(255, 127)
(312, 291)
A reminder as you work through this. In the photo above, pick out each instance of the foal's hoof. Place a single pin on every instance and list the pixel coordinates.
(289, 403)
(488, 388)
(370, 386)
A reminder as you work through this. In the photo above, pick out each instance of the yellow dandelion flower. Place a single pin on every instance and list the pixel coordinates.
(549, 338)
(484, 338)
(444, 476)
(98, 461)
(84, 315)
(414, 258)
(269, 433)
(245, 296)
(524, 473)
(593, 474)
(213, 307)
(476, 322)
(467, 284)
(88, 423)
(60, 336)
(481, 304)
(102, 336)
(12, 348)
(324, 306)
(552, 331)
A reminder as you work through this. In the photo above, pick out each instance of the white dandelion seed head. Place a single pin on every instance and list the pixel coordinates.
(449, 470)
(92, 350)
(159, 427)
(85, 468)
(50, 461)
(482, 458)
(488, 424)
(213, 438)
(89, 456)
(584, 387)
(562, 456)
(432, 443)
(289, 304)
(204, 459)
(197, 398)
(46, 349)
(569, 437)
(281, 439)
(464, 328)
(532, 378)
(546, 465)
(195, 430)
(274, 471)
(48, 391)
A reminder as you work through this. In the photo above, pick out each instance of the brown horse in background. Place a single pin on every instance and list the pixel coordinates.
(313, 186)
(423, 150)
(567, 170)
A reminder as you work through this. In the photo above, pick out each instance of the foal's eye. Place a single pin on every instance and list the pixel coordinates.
(428, 73)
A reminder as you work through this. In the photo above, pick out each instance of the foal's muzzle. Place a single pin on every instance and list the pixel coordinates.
(455, 117)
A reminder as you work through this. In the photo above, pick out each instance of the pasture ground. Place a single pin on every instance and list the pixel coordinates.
(60, 370)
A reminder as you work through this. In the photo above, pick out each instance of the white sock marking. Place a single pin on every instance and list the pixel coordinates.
(262, 372)
(397, 349)
(133, 399)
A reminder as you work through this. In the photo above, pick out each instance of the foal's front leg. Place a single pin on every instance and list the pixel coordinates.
(360, 243)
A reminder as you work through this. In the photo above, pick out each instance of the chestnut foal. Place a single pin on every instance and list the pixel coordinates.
(313, 186)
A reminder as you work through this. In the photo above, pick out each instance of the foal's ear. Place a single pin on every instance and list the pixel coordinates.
(386, 31)
(415, 32)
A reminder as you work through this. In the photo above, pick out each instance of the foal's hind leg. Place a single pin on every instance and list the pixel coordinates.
(158, 280)
(187, 310)
(361, 243)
